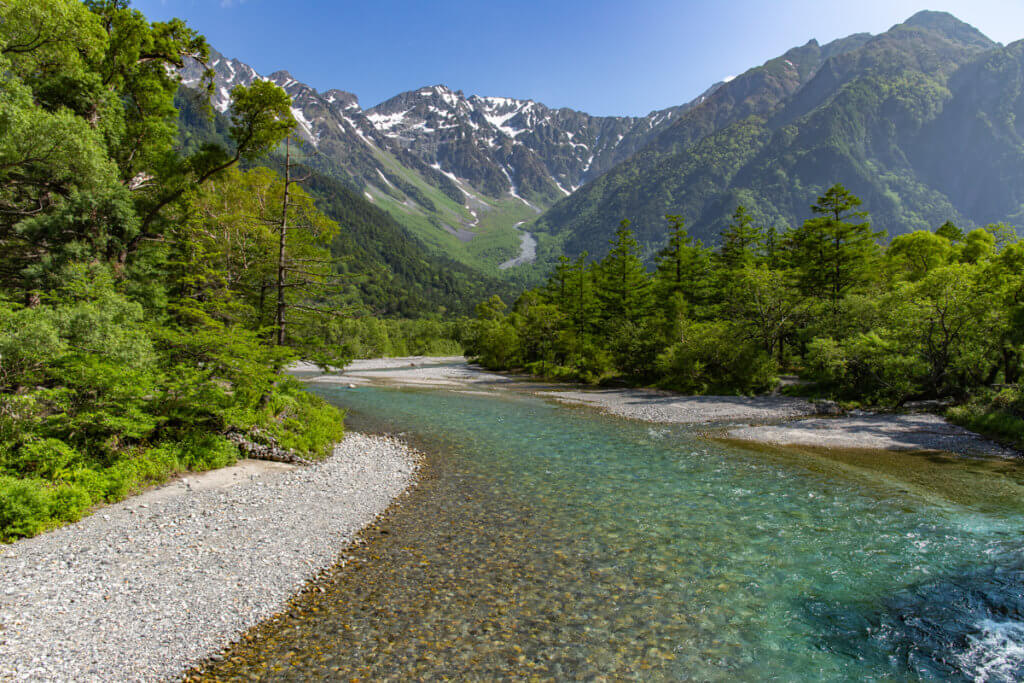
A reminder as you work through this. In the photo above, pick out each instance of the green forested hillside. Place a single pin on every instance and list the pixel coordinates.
(923, 122)
(151, 294)
(393, 272)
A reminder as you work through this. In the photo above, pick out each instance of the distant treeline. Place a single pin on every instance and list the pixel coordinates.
(933, 315)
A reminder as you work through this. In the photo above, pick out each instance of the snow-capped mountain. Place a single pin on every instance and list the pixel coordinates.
(494, 146)
(504, 145)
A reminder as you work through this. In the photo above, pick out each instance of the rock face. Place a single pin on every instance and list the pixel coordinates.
(503, 145)
(495, 146)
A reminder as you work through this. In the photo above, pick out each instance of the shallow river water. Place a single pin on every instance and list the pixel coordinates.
(554, 542)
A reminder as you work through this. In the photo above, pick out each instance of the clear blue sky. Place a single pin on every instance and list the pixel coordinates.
(600, 56)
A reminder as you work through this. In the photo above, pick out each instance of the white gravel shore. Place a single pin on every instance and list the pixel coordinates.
(921, 432)
(143, 590)
(663, 406)
(449, 372)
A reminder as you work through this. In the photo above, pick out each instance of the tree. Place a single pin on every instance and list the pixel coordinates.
(581, 294)
(256, 253)
(832, 253)
(950, 231)
(740, 240)
(766, 304)
(88, 166)
(674, 259)
(556, 288)
(623, 287)
(915, 254)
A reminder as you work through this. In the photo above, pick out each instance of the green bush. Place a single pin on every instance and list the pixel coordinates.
(710, 358)
(300, 421)
(871, 367)
(30, 506)
(996, 414)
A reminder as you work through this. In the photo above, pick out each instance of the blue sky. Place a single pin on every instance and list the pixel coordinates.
(600, 56)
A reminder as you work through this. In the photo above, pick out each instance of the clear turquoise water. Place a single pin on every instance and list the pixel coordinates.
(555, 542)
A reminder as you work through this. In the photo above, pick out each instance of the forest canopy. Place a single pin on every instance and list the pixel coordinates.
(150, 297)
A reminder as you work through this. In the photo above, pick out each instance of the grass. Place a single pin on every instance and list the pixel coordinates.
(496, 237)
(997, 415)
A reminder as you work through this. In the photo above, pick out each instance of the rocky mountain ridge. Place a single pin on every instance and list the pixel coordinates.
(495, 146)
(923, 121)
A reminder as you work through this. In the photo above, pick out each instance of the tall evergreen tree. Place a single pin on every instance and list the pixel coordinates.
(556, 289)
(673, 260)
(623, 286)
(836, 249)
(740, 240)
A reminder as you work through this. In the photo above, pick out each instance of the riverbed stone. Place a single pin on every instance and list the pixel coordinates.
(138, 597)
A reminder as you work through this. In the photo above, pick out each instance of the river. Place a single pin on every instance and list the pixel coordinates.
(556, 542)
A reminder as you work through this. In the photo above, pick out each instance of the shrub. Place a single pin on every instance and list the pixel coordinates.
(711, 358)
(999, 415)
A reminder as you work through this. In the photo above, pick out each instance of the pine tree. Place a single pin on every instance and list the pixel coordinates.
(623, 286)
(582, 300)
(556, 288)
(833, 253)
(740, 240)
(673, 261)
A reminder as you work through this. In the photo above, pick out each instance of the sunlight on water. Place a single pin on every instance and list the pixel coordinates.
(554, 542)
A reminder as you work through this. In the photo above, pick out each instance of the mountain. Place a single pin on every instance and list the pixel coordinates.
(925, 122)
(395, 273)
(501, 145)
(461, 173)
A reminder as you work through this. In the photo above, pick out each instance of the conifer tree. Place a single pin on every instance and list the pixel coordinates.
(581, 297)
(557, 284)
(674, 259)
(740, 240)
(623, 286)
(832, 252)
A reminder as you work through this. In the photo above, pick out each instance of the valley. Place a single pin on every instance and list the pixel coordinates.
(460, 172)
(451, 384)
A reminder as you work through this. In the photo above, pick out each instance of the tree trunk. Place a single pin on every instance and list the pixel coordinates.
(281, 244)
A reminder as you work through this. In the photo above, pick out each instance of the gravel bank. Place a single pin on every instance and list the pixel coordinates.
(662, 406)
(141, 591)
(425, 371)
(877, 432)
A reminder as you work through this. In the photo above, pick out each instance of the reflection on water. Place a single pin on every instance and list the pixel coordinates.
(552, 542)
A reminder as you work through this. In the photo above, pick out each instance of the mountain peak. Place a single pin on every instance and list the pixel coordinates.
(949, 26)
(342, 98)
(282, 76)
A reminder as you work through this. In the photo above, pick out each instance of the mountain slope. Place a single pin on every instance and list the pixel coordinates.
(920, 121)
(394, 272)
(460, 173)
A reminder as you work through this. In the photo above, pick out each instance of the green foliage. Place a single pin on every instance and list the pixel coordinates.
(997, 413)
(708, 359)
(130, 339)
(833, 255)
(934, 315)
(369, 337)
(622, 285)
(740, 240)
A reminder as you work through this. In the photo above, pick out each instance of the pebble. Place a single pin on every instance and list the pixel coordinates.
(101, 599)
